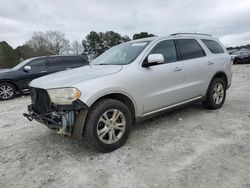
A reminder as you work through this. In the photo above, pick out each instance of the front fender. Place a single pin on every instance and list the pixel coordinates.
(91, 100)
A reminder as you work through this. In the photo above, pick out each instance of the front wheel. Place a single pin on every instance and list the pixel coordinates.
(216, 94)
(7, 91)
(108, 125)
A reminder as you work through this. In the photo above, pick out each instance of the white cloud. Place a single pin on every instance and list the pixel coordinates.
(227, 19)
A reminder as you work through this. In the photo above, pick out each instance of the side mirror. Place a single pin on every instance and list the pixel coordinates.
(27, 68)
(153, 59)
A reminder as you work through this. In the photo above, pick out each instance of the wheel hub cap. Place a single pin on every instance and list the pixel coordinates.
(218, 95)
(6, 92)
(111, 126)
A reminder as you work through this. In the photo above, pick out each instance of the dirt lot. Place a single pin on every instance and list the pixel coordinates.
(191, 147)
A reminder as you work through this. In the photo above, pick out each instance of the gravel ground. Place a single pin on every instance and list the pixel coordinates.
(189, 147)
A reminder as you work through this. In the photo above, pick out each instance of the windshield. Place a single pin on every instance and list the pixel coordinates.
(18, 66)
(122, 54)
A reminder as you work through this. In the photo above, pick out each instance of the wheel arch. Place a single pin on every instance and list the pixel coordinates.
(121, 96)
(221, 75)
(10, 82)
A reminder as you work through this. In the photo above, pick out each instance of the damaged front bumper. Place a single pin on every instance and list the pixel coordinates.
(66, 119)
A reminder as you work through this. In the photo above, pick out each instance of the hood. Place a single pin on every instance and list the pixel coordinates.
(69, 78)
(4, 70)
(4, 73)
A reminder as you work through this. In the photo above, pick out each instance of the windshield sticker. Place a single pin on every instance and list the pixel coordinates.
(139, 44)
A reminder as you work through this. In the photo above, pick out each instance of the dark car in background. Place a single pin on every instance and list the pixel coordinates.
(17, 79)
(241, 58)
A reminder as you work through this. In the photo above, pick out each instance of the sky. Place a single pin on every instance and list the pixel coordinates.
(227, 19)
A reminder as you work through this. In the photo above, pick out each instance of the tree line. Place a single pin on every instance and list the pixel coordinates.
(239, 47)
(55, 43)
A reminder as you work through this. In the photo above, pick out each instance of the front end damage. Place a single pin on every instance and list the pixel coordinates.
(66, 119)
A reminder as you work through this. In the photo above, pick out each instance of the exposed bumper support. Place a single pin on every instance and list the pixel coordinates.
(68, 119)
(50, 123)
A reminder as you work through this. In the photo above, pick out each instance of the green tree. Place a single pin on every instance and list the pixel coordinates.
(25, 51)
(96, 43)
(142, 35)
(8, 56)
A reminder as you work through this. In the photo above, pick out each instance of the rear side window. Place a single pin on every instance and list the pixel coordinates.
(213, 46)
(74, 61)
(56, 62)
(167, 49)
(190, 49)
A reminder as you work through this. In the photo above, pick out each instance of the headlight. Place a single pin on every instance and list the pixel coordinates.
(64, 96)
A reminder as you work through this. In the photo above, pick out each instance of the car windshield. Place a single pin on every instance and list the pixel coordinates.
(18, 66)
(122, 54)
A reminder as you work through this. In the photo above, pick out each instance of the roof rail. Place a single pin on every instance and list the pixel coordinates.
(174, 34)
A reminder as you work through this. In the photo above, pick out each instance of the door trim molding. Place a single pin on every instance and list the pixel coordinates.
(172, 106)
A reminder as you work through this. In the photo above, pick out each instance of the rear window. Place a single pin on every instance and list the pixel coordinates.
(190, 49)
(213, 46)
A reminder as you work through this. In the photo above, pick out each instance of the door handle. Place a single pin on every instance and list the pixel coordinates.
(177, 69)
(210, 63)
(44, 71)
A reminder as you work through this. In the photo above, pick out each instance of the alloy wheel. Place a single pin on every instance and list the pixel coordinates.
(218, 93)
(111, 126)
(6, 92)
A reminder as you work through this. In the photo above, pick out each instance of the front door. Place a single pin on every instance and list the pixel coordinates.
(161, 85)
(38, 69)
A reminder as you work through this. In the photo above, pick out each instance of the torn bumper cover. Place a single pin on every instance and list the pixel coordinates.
(52, 118)
(70, 123)
(66, 119)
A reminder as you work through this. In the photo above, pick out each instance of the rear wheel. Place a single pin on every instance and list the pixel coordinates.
(216, 94)
(7, 91)
(108, 125)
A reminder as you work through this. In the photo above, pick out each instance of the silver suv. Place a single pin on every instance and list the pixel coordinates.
(129, 82)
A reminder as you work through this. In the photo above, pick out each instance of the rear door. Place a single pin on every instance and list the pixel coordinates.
(56, 64)
(196, 67)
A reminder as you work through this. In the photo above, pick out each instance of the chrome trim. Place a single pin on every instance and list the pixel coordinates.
(172, 106)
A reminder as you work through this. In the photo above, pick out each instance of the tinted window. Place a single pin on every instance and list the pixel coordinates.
(190, 49)
(56, 62)
(74, 61)
(167, 49)
(38, 64)
(213, 46)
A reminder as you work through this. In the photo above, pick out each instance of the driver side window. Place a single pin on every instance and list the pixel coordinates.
(38, 64)
(167, 49)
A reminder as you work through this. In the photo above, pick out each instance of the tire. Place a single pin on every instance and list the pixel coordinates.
(101, 125)
(7, 91)
(215, 97)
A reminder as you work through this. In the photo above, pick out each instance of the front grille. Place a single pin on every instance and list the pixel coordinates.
(41, 103)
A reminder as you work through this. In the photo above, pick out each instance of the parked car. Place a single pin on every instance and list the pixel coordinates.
(16, 80)
(242, 58)
(130, 82)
